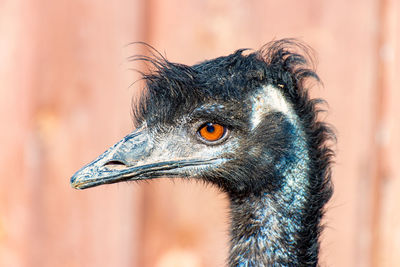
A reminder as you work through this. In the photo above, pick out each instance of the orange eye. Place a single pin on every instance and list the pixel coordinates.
(212, 131)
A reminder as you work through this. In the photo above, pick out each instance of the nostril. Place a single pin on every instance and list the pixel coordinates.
(115, 164)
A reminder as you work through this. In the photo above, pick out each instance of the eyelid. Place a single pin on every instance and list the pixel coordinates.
(198, 119)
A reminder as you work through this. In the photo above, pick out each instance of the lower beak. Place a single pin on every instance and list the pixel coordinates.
(129, 159)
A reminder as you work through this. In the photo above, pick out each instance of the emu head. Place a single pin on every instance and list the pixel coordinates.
(228, 121)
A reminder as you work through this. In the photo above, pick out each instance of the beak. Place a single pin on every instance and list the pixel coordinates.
(129, 159)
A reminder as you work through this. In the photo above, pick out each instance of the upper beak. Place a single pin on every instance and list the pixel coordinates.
(129, 159)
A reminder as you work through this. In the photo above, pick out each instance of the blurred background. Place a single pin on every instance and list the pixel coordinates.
(66, 94)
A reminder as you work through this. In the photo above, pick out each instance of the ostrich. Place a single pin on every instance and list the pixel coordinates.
(245, 123)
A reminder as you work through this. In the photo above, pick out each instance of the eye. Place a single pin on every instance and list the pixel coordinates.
(212, 132)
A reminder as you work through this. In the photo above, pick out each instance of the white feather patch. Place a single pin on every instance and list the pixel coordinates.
(270, 99)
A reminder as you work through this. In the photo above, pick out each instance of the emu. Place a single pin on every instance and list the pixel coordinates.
(245, 123)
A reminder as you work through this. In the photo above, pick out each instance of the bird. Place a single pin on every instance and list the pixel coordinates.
(246, 124)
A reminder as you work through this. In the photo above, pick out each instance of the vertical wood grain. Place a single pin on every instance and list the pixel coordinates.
(65, 98)
(386, 227)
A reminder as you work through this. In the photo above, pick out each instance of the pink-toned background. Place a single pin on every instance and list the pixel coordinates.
(65, 96)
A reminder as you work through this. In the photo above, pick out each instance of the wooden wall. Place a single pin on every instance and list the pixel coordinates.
(65, 96)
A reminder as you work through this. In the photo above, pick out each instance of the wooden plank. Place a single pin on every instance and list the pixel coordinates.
(386, 210)
(66, 100)
(15, 186)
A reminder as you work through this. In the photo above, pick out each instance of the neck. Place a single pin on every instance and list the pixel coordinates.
(281, 227)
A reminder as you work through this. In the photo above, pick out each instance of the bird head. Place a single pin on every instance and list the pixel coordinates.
(228, 121)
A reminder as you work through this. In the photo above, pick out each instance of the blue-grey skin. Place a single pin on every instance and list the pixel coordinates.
(272, 160)
(268, 216)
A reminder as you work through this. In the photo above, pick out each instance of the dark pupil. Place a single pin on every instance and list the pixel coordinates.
(210, 128)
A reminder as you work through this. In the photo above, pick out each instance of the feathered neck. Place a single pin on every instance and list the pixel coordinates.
(280, 227)
(268, 232)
